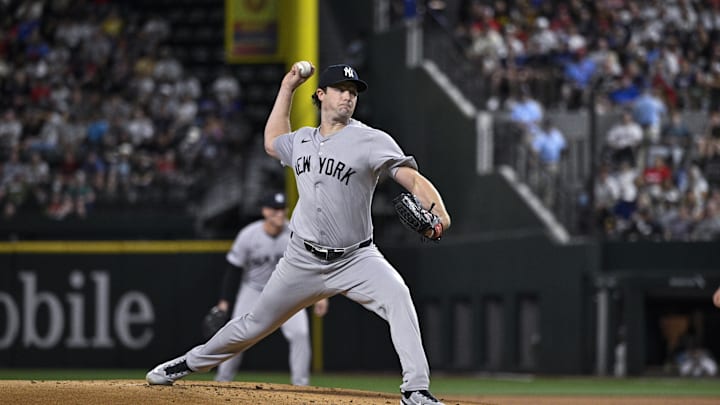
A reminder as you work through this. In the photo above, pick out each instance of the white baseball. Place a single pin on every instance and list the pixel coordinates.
(304, 68)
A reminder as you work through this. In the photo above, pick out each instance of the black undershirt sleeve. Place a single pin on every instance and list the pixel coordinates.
(230, 282)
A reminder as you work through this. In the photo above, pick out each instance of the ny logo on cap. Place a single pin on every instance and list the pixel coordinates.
(349, 71)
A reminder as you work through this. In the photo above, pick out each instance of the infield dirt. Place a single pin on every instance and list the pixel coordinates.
(137, 392)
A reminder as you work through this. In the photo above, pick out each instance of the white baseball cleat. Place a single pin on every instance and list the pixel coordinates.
(421, 397)
(169, 372)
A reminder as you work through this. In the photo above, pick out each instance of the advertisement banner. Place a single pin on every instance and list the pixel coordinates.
(133, 304)
(103, 310)
(252, 30)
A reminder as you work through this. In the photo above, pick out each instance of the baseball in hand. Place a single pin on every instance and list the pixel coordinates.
(304, 68)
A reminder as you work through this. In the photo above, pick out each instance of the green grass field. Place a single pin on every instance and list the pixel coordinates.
(441, 384)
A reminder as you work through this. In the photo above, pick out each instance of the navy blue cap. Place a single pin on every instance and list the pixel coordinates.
(335, 74)
(274, 200)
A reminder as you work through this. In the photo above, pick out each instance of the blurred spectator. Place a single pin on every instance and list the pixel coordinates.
(140, 128)
(643, 226)
(625, 91)
(543, 40)
(13, 194)
(96, 131)
(606, 59)
(708, 227)
(226, 89)
(116, 108)
(697, 362)
(356, 51)
(677, 223)
(486, 42)
(548, 146)
(712, 79)
(167, 68)
(709, 142)
(154, 31)
(68, 166)
(655, 175)
(627, 179)
(47, 140)
(186, 112)
(668, 195)
(526, 111)
(38, 178)
(112, 24)
(143, 174)
(95, 170)
(579, 72)
(119, 173)
(81, 194)
(11, 129)
(696, 184)
(648, 111)
(688, 84)
(189, 86)
(692, 359)
(607, 193)
(695, 206)
(623, 141)
(13, 167)
(710, 164)
(60, 205)
(676, 140)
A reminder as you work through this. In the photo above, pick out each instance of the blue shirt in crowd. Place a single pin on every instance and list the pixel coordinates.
(548, 144)
(648, 110)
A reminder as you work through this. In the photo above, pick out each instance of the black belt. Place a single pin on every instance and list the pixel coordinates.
(327, 253)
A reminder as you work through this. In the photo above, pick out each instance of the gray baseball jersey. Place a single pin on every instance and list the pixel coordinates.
(257, 253)
(336, 176)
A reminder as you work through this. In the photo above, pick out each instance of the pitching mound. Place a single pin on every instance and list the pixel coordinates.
(205, 392)
(183, 392)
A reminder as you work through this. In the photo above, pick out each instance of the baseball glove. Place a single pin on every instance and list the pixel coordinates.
(213, 321)
(417, 218)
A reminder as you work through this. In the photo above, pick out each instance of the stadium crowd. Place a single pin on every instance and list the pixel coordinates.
(650, 61)
(96, 110)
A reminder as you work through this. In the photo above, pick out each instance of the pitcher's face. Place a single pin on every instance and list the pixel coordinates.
(339, 99)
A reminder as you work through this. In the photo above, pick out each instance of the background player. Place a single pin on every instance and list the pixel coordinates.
(254, 254)
(337, 166)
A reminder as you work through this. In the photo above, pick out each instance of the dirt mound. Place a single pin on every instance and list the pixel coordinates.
(137, 392)
(183, 392)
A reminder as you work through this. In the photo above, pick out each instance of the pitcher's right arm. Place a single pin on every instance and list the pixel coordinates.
(278, 122)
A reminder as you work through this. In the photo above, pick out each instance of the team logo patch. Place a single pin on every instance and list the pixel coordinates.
(349, 71)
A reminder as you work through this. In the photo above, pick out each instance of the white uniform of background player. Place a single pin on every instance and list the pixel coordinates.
(337, 166)
(254, 254)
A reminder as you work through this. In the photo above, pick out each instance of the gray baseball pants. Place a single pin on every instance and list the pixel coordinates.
(301, 279)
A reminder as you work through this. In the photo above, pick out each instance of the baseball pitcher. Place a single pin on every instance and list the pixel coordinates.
(337, 166)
